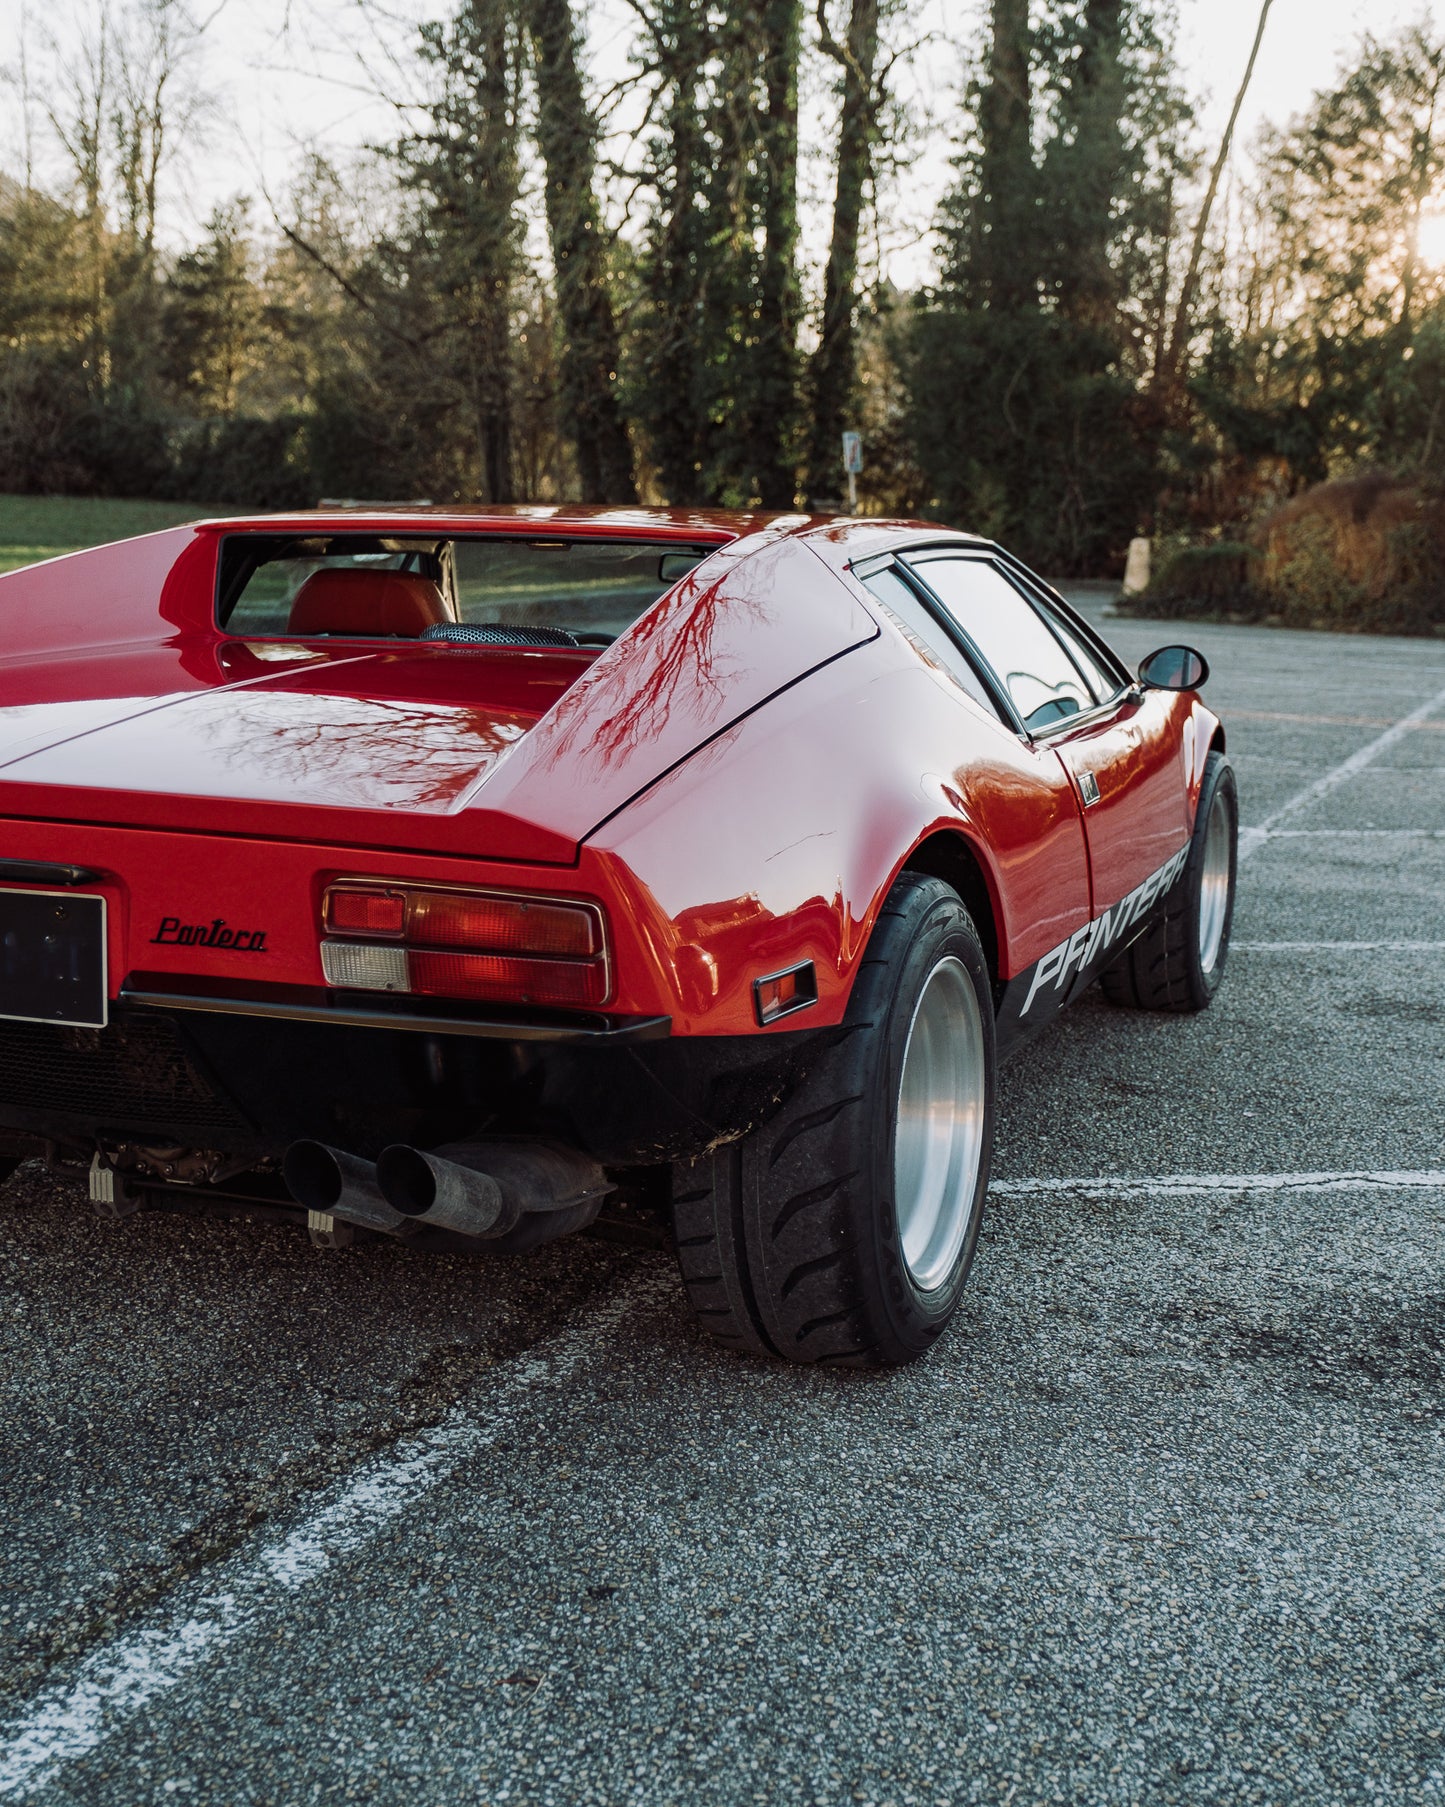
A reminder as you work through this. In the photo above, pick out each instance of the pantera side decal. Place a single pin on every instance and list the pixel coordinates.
(1101, 936)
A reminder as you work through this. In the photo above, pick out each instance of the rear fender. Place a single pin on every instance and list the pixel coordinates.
(778, 843)
(1201, 733)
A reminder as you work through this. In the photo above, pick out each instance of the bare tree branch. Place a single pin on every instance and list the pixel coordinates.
(1170, 364)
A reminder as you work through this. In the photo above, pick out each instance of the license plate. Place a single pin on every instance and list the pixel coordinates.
(52, 958)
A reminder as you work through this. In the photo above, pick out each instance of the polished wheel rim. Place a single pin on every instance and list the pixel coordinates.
(938, 1141)
(1214, 885)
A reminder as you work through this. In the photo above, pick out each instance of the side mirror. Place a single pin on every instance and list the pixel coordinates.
(673, 565)
(1174, 668)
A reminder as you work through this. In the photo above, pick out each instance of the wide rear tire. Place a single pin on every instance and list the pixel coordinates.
(842, 1230)
(1178, 962)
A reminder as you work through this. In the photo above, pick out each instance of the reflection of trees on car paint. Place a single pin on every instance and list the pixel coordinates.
(712, 947)
(397, 754)
(668, 659)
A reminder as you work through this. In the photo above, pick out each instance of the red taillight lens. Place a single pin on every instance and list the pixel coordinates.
(465, 944)
(365, 910)
(453, 919)
(507, 979)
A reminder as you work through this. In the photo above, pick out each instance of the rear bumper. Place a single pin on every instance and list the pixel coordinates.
(313, 1004)
(242, 1079)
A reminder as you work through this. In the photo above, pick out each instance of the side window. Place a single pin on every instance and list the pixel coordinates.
(1104, 682)
(912, 613)
(1041, 679)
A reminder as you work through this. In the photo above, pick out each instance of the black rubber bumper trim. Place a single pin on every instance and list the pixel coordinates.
(299, 1004)
(45, 872)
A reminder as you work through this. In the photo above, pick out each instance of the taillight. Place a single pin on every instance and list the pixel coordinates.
(491, 945)
(366, 912)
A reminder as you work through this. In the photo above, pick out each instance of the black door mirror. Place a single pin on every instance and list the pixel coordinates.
(1174, 668)
(673, 565)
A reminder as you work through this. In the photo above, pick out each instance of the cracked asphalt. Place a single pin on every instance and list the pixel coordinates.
(1161, 1521)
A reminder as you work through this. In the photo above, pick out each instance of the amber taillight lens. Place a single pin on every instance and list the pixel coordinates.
(498, 946)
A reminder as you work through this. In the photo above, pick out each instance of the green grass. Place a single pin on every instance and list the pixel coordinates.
(36, 527)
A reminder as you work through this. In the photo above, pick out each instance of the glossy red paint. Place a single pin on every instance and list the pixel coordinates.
(775, 872)
(737, 780)
(1136, 757)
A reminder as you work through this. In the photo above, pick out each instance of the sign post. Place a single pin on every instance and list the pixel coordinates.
(852, 463)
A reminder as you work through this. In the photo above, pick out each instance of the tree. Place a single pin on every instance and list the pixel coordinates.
(590, 354)
(466, 165)
(1174, 352)
(1026, 368)
(671, 390)
(717, 343)
(1324, 346)
(211, 307)
(1084, 161)
(835, 363)
(999, 216)
(772, 411)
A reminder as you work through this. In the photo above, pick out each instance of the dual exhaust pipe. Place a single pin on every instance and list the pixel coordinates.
(479, 1189)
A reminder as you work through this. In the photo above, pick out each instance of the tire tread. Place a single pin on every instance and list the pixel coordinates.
(782, 1302)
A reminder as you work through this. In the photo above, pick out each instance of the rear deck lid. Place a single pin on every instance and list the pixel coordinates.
(500, 753)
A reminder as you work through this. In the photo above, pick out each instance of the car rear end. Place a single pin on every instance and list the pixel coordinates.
(300, 884)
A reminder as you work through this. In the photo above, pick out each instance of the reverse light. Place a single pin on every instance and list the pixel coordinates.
(498, 946)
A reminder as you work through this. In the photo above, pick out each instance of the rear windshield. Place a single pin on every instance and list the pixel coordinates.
(476, 591)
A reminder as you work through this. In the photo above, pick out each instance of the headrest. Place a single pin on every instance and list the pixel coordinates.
(346, 601)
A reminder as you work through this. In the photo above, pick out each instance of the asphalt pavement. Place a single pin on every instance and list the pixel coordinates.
(1161, 1520)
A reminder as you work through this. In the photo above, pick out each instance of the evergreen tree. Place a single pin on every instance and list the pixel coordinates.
(590, 355)
(211, 308)
(834, 373)
(1027, 367)
(717, 347)
(465, 165)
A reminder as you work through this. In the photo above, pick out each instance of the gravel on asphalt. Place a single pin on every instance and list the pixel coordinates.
(1159, 1521)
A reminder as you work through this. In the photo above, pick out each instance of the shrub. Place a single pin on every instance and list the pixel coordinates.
(1207, 580)
(1363, 554)
(253, 463)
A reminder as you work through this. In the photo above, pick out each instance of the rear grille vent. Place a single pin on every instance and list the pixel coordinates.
(135, 1073)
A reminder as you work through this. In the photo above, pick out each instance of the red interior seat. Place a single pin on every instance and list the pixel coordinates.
(344, 601)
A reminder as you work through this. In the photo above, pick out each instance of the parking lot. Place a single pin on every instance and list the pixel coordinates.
(1160, 1521)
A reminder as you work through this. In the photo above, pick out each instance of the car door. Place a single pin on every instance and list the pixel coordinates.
(1132, 751)
(1022, 802)
(1119, 744)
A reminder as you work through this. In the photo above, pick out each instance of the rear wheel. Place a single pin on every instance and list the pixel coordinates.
(1178, 962)
(843, 1229)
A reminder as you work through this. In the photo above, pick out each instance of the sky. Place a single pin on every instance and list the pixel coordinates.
(285, 76)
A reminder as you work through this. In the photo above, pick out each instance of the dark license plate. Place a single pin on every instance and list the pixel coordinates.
(52, 958)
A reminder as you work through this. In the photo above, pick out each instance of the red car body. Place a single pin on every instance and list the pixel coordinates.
(737, 781)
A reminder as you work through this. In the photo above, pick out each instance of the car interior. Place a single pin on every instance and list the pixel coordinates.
(495, 591)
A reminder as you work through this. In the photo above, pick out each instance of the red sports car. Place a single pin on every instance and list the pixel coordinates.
(475, 877)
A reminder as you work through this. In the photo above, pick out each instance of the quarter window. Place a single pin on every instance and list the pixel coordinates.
(1042, 681)
(909, 609)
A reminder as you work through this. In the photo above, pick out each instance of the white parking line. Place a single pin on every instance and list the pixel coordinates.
(68, 1720)
(1190, 1185)
(1251, 839)
(1358, 834)
(1337, 947)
